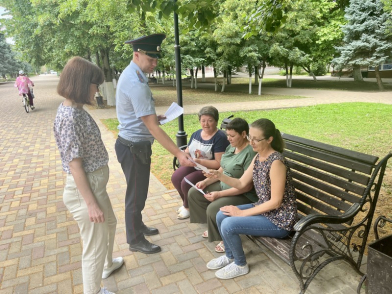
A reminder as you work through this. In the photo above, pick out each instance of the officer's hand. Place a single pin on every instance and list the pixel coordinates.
(161, 117)
(185, 159)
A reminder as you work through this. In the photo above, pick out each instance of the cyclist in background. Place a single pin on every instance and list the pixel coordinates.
(22, 83)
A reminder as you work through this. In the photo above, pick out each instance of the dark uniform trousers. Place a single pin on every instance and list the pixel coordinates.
(137, 176)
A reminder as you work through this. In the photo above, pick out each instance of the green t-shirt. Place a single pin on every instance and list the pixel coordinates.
(234, 165)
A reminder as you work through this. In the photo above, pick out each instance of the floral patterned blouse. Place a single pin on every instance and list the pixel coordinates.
(78, 136)
(285, 216)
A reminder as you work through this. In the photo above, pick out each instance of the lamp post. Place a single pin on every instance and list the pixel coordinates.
(181, 134)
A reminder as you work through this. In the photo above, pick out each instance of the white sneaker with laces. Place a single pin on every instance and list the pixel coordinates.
(105, 291)
(117, 263)
(180, 209)
(219, 262)
(232, 271)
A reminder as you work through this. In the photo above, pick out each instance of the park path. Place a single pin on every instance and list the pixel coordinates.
(40, 247)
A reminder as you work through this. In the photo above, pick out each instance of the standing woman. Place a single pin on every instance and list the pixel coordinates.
(85, 160)
(274, 215)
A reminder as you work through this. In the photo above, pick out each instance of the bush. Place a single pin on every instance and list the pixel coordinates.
(319, 68)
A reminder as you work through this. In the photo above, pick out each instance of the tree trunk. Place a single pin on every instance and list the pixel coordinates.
(264, 66)
(256, 74)
(191, 72)
(357, 73)
(196, 70)
(250, 78)
(229, 70)
(314, 77)
(223, 82)
(143, 24)
(163, 77)
(291, 75)
(203, 73)
(260, 81)
(216, 80)
(98, 59)
(379, 81)
(108, 84)
(287, 76)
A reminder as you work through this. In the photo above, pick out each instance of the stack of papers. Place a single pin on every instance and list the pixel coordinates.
(202, 167)
(173, 112)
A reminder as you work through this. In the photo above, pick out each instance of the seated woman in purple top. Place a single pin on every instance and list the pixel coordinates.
(274, 215)
(206, 146)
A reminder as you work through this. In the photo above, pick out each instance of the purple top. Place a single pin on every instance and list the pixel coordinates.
(78, 136)
(285, 216)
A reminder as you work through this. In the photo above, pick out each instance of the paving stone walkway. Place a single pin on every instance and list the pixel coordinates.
(40, 248)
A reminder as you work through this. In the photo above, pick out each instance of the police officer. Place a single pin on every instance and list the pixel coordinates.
(138, 127)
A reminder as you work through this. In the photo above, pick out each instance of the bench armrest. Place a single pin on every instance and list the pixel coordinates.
(327, 219)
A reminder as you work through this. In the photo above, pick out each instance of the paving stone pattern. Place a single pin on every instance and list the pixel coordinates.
(40, 247)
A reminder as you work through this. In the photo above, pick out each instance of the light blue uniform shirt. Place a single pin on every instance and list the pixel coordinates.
(133, 100)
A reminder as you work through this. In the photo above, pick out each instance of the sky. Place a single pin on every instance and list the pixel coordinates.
(8, 40)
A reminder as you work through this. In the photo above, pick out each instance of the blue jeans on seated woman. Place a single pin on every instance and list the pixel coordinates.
(230, 228)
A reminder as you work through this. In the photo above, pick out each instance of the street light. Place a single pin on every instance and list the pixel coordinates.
(181, 134)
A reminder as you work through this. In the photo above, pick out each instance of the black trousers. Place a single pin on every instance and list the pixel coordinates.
(137, 176)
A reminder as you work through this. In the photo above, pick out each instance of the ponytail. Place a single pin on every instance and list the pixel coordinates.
(277, 142)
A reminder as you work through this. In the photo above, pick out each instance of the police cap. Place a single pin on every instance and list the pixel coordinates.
(150, 45)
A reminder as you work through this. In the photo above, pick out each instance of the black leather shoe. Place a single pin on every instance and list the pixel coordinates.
(145, 246)
(147, 231)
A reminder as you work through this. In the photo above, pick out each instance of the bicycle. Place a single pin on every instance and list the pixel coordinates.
(26, 102)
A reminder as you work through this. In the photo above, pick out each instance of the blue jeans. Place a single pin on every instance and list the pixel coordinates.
(230, 228)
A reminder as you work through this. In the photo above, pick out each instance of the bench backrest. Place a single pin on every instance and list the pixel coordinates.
(327, 179)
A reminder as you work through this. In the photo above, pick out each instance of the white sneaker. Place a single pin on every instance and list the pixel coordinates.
(105, 291)
(219, 262)
(180, 209)
(232, 271)
(184, 214)
(117, 263)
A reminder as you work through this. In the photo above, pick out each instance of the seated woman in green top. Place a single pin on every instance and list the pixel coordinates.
(235, 160)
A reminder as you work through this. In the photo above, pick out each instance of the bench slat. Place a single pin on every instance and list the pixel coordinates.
(312, 202)
(331, 158)
(366, 158)
(344, 173)
(330, 201)
(318, 185)
(342, 183)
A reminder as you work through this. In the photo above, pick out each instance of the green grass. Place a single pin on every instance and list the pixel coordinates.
(241, 84)
(363, 127)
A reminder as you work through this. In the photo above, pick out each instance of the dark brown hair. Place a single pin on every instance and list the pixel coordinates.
(269, 130)
(76, 78)
(239, 125)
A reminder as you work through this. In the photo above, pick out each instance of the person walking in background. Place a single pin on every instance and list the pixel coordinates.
(85, 160)
(206, 146)
(23, 84)
(138, 127)
(273, 215)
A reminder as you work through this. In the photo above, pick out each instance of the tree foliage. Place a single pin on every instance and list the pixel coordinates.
(365, 40)
(223, 33)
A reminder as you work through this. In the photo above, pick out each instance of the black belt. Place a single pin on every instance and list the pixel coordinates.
(125, 142)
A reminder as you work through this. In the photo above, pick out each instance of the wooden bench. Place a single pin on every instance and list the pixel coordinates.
(337, 191)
